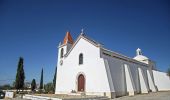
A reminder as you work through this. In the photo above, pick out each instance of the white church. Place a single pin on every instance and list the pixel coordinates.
(85, 66)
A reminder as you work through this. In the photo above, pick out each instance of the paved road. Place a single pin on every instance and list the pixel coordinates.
(150, 96)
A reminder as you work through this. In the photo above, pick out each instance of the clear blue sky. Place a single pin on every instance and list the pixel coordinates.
(33, 29)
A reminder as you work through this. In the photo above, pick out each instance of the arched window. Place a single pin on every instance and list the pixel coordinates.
(80, 59)
(61, 53)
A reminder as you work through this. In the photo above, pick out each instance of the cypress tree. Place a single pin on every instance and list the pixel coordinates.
(41, 80)
(20, 76)
(54, 79)
(33, 85)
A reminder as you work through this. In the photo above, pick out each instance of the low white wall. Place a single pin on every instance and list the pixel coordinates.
(9, 94)
(162, 81)
(33, 97)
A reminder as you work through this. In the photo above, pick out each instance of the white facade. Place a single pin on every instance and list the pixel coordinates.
(103, 72)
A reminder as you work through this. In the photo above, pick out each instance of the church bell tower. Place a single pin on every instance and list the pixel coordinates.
(64, 47)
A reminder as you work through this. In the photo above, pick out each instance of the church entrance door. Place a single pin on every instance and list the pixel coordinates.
(81, 83)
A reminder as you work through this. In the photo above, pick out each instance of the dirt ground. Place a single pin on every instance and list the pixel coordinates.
(150, 96)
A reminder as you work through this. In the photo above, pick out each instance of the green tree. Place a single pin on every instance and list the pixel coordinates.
(41, 80)
(48, 87)
(5, 87)
(20, 76)
(168, 72)
(54, 79)
(13, 84)
(33, 85)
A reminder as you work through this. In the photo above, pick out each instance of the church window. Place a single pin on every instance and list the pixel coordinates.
(61, 54)
(80, 59)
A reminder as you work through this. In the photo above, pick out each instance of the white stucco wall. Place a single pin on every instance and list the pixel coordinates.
(119, 79)
(92, 68)
(162, 81)
(103, 73)
(143, 81)
(151, 81)
(129, 81)
(117, 73)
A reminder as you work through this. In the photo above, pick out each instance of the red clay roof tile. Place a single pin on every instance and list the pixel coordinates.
(68, 38)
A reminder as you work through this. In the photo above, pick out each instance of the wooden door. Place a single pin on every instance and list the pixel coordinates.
(81, 83)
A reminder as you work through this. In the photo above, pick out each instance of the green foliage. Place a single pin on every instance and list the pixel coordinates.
(41, 91)
(5, 87)
(13, 84)
(20, 76)
(54, 79)
(41, 81)
(33, 85)
(48, 87)
(168, 72)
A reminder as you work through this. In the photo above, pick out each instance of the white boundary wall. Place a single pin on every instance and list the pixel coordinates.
(33, 97)
(162, 81)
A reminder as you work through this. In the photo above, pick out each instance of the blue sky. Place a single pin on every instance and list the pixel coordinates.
(33, 29)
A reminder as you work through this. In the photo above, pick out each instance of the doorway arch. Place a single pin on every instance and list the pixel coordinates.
(81, 83)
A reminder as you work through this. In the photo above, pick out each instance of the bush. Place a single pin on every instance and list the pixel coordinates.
(49, 87)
